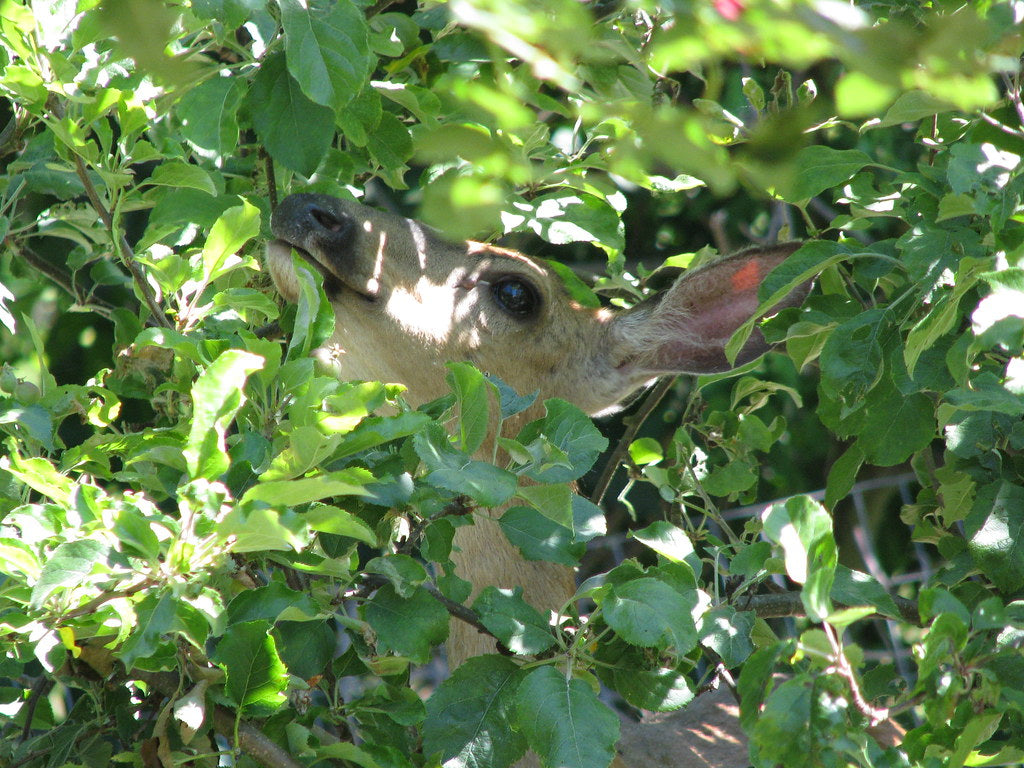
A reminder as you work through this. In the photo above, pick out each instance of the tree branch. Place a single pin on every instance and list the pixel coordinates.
(250, 740)
(121, 246)
(633, 424)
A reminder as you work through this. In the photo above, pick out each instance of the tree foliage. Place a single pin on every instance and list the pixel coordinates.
(207, 545)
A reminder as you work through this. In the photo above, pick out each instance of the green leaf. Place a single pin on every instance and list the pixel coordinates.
(268, 603)
(911, 107)
(471, 715)
(295, 131)
(451, 469)
(842, 475)
(233, 229)
(209, 114)
(155, 616)
(641, 679)
(568, 217)
(564, 722)
(648, 612)
(328, 51)
(896, 426)
(402, 571)
(552, 501)
(728, 632)
(855, 588)
(216, 397)
(670, 542)
(328, 519)
(289, 493)
(572, 433)
(803, 528)
(852, 358)
(174, 173)
(256, 677)
(995, 531)
(69, 564)
(408, 626)
(511, 402)
(471, 402)
(540, 538)
(819, 168)
(518, 625)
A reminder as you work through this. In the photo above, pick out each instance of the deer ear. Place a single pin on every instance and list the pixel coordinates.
(685, 329)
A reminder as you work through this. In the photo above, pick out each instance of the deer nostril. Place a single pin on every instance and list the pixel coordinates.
(327, 220)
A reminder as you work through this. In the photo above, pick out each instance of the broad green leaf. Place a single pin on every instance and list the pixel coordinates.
(248, 528)
(233, 229)
(727, 632)
(289, 493)
(216, 397)
(572, 433)
(896, 426)
(174, 173)
(911, 107)
(41, 476)
(566, 217)
(403, 572)
(256, 677)
(295, 130)
(209, 113)
(451, 469)
(327, 50)
(519, 626)
(995, 530)
(851, 360)
(641, 679)
(471, 402)
(540, 538)
(410, 626)
(855, 588)
(564, 722)
(670, 542)
(796, 525)
(329, 519)
(511, 402)
(155, 618)
(69, 564)
(819, 168)
(648, 612)
(268, 603)
(842, 475)
(471, 715)
(552, 501)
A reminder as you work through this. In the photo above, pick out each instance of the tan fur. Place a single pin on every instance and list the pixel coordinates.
(407, 302)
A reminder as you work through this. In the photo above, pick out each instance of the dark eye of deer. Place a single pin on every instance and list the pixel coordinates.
(517, 297)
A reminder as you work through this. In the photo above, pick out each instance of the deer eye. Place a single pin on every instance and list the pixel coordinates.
(516, 296)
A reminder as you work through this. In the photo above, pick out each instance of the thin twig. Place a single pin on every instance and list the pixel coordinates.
(121, 245)
(633, 424)
(60, 277)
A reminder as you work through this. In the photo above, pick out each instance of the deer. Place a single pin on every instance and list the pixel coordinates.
(407, 302)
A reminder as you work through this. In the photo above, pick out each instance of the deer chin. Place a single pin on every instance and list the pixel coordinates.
(282, 270)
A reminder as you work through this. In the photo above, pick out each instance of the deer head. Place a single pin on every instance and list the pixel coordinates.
(407, 302)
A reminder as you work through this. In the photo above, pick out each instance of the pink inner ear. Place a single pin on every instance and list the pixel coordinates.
(687, 331)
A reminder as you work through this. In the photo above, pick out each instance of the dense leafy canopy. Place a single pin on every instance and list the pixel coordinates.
(206, 545)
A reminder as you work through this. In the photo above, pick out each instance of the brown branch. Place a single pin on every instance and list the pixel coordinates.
(788, 604)
(633, 424)
(121, 246)
(250, 740)
(61, 277)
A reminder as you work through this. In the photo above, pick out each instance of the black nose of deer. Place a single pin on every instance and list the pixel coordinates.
(313, 223)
